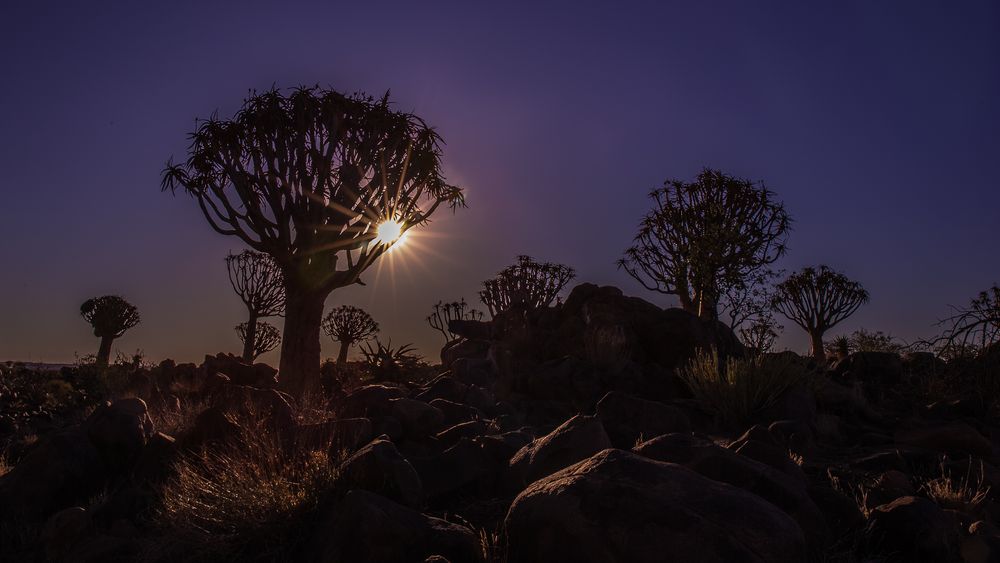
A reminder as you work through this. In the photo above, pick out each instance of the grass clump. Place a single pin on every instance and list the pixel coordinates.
(737, 389)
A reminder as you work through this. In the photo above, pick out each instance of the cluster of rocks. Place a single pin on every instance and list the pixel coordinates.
(564, 436)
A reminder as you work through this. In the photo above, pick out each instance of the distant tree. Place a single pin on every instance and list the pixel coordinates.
(759, 334)
(817, 299)
(266, 338)
(526, 284)
(972, 328)
(444, 313)
(704, 237)
(322, 182)
(110, 316)
(256, 279)
(348, 325)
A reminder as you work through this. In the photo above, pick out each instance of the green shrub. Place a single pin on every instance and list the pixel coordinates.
(741, 387)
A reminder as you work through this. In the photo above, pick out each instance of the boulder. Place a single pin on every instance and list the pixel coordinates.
(576, 439)
(758, 444)
(475, 349)
(464, 464)
(240, 372)
(380, 468)
(63, 531)
(912, 529)
(119, 430)
(619, 506)
(725, 466)
(627, 419)
(268, 405)
(444, 387)
(370, 401)
(954, 438)
(873, 367)
(455, 413)
(368, 527)
(470, 430)
(213, 426)
(419, 419)
(982, 545)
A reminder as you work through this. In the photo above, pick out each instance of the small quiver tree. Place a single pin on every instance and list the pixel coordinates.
(348, 325)
(816, 299)
(525, 285)
(444, 313)
(266, 338)
(110, 316)
(759, 334)
(257, 280)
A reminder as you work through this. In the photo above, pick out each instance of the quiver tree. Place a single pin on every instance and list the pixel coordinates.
(759, 334)
(971, 328)
(348, 325)
(110, 316)
(817, 299)
(266, 337)
(444, 313)
(706, 236)
(317, 180)
(526, 285)
(256, 279)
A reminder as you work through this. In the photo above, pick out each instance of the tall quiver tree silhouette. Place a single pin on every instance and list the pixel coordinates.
(257, 280)
(308, 177)
(443, 313)
(706, 236)
(348, 325)
(817, 299)
(526, 284)
(110, 316)
(265, 338)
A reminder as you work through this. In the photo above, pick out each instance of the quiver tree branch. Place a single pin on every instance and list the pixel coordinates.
(971, 328)
(348, 325)
(704, 237)
(306, 177)
(817, 299)
(266, 338)
(110, 316)
(526, 285)
(444, 313)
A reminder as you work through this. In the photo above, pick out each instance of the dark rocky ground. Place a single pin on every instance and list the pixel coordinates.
(564, 435)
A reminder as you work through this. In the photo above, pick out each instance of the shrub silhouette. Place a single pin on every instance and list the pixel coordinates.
(255, 277)
(444, 313)
(863, 340)
(525, 285)
(307, 177)
(706, 236)
(266, 337)
(817, 299)
(386, 363)
(972, 328)
(348, 325)
(110, 316)
(759, 334)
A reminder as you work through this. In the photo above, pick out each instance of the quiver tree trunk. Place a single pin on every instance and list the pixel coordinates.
(345, 345)
(104, 353)
(250, 340)
(298, 371)
(816, 349)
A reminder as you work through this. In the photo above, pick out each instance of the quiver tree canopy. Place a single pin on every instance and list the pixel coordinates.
(348, 324)
(817, 299)
(525, 285)
(705, 236)
(266, 337)
(110, 316)
(257, 280)
(306, 177)
(440, 319)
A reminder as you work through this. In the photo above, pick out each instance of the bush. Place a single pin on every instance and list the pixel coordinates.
(743, 387)
(398, 365)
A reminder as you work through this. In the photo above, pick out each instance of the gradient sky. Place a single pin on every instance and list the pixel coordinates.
(878, 124)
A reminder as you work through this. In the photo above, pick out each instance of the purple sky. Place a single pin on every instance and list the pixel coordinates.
(877, 123)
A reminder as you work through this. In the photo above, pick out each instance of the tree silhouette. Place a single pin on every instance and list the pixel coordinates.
(759, 334)
(110, 316)
(348, 325)
(817, 299)
(266, 337)
(704, 237)
(971, 328)
(526, 284)
(444, 313)
(256, 278)
(308, 178)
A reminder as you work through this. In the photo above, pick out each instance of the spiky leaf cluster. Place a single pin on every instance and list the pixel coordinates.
(526, 285)
(110, 315)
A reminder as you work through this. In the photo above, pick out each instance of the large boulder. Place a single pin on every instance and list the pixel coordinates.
(619, 506)
(419, 419)
(119, 430)
(912, 529)
(576, 439)
(628, 419)
(955, 438)
(467, 464)
(239, 371)
(370, 401)
(380, 468)
(368, 527)
(725, 466)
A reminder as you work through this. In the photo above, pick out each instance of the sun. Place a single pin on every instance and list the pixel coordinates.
(390, 232)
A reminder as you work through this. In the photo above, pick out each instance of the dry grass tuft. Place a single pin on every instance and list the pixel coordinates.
(964, 495)
(742, 387)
